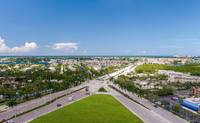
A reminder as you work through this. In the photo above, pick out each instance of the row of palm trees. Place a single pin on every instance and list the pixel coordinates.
(128, 86)
(38, 90)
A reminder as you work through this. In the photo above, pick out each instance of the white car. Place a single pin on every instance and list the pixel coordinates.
(10, 121)
(70, 99)
(176, 98)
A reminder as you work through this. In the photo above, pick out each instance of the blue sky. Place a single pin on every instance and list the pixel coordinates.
(99, 27)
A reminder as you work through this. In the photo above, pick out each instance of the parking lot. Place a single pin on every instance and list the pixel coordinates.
(179, 95)
(168, 98)
(184, 93)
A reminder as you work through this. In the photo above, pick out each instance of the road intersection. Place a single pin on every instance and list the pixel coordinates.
(155, 115)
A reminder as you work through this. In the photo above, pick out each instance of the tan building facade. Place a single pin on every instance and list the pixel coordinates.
(196, 92)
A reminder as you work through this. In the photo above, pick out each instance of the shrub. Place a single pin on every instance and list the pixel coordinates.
(101, 89)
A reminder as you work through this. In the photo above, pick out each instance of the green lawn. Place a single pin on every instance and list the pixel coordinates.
(92, 109)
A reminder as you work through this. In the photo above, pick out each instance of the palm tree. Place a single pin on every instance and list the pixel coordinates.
(111, 79)
(56, 89)
(21, 93)
(11, 103)
(49, 86)
(38, 95)
(26, 98)
(61, 87)
(13, 95)
(140, 94)
(115, 81)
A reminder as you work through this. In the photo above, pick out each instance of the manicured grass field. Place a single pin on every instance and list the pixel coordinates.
(92, 109)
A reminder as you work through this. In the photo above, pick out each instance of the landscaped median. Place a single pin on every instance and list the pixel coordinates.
(47, 103)
(127, 96)
(97, 108)
(102, 89)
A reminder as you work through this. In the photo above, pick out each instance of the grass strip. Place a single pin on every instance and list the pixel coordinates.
(47, 103)
(97, 108)
(3, 103)
(102, 89)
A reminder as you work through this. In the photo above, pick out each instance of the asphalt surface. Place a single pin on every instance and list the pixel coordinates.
(33, 103)
(49, 108)
(168, 116)
(156, 115)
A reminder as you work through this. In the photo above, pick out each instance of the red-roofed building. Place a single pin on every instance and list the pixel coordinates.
(196, 92)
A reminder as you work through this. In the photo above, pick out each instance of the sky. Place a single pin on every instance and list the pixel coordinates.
(99, 27)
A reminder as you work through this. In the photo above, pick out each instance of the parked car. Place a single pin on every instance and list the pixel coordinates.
(10, 121)
(88, 93)
(155, 106)
(158, 102)
(174, 98)
(58, 105)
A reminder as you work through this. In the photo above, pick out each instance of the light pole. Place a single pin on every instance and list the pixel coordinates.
(15, 114)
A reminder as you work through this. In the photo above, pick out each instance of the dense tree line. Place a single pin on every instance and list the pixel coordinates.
(126, 83)
(193, 68)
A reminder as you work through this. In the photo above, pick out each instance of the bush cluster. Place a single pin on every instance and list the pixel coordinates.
(101, 89)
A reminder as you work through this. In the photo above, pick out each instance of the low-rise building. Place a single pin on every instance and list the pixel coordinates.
(196, 92)
(179, 77)
(144, 84)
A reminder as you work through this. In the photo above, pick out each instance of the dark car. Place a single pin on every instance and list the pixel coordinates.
(58, 105)
(155, 106)
(88, 93)
(86, 89)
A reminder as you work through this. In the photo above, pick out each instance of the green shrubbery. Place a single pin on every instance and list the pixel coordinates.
(193, 68)
(101, 89)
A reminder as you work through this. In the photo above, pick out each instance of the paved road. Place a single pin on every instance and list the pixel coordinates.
(34, 103)
(49, 108)
(155, 116)
(159, 111)
(144, 114)
(61, 71)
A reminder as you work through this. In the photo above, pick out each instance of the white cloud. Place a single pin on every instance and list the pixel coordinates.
(84, 52)
(127, 51)
(71, 51)
(23, 49)
(192, 39)
(171, 46)
(153, 51)
(142, 52)
(65, 46)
